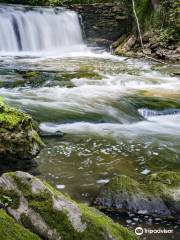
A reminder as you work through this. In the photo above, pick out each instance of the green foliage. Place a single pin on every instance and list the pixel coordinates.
(163, 22)
(9, 198)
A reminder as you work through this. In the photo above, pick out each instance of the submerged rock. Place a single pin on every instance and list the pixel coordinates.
(158, 195)
(151, 102)
(52, 215)
(19, 139)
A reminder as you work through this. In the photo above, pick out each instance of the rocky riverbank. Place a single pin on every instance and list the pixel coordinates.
(128, 45)
(113, 26)
(154, 31)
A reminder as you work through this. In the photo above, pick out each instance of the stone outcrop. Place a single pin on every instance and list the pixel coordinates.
(51, 215)
(158, 195)
(19, 139)
(104, 23)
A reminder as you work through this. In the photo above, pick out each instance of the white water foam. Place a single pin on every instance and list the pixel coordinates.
(159, 125)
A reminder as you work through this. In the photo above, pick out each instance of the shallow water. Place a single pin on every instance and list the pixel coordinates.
(119, 117)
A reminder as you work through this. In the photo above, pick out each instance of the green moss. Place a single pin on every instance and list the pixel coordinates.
(99, 225)
(80, 74)
(168, 178)
(155, 185)
(31, 74)
(123, 182)
(9, 117)
(154, 103)
(10, 230)
(37, 138)
(9, 198)
(16, 123)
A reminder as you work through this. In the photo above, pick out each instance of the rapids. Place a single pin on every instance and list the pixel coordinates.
(119, 115)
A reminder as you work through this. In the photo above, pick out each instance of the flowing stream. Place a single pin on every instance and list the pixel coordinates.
(118, 115)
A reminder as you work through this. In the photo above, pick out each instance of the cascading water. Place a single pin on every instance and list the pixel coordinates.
(39, 29)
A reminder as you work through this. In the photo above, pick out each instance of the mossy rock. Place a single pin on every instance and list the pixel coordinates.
(19, 138)
(52, 215)
(79, 74)
(11, 230)
(161, 104)
(157, 195)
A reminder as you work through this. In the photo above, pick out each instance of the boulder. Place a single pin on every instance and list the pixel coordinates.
(19, 139)
(51, 215)
(158, 195)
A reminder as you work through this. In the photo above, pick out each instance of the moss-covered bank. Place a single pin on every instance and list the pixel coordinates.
(52, 215)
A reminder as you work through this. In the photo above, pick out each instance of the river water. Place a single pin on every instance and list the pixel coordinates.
(118, 115)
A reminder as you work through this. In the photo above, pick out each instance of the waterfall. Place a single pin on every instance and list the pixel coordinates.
(25, 29)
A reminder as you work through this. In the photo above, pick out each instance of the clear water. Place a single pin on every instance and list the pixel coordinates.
(96, 100)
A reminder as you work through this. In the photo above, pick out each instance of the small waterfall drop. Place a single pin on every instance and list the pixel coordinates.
(24, 29)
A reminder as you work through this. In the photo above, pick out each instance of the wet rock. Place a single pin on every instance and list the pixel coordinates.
(158, 195)
(52, 135)
(52, 215)
(103, 23)
(168, 105)
(19, 139)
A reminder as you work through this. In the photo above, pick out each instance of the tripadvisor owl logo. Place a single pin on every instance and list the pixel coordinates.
(139, 231)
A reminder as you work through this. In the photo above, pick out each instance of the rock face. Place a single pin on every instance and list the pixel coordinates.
(158, 195)
(104, 23)
(19, 140)
(51, 215)
(129, 46)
